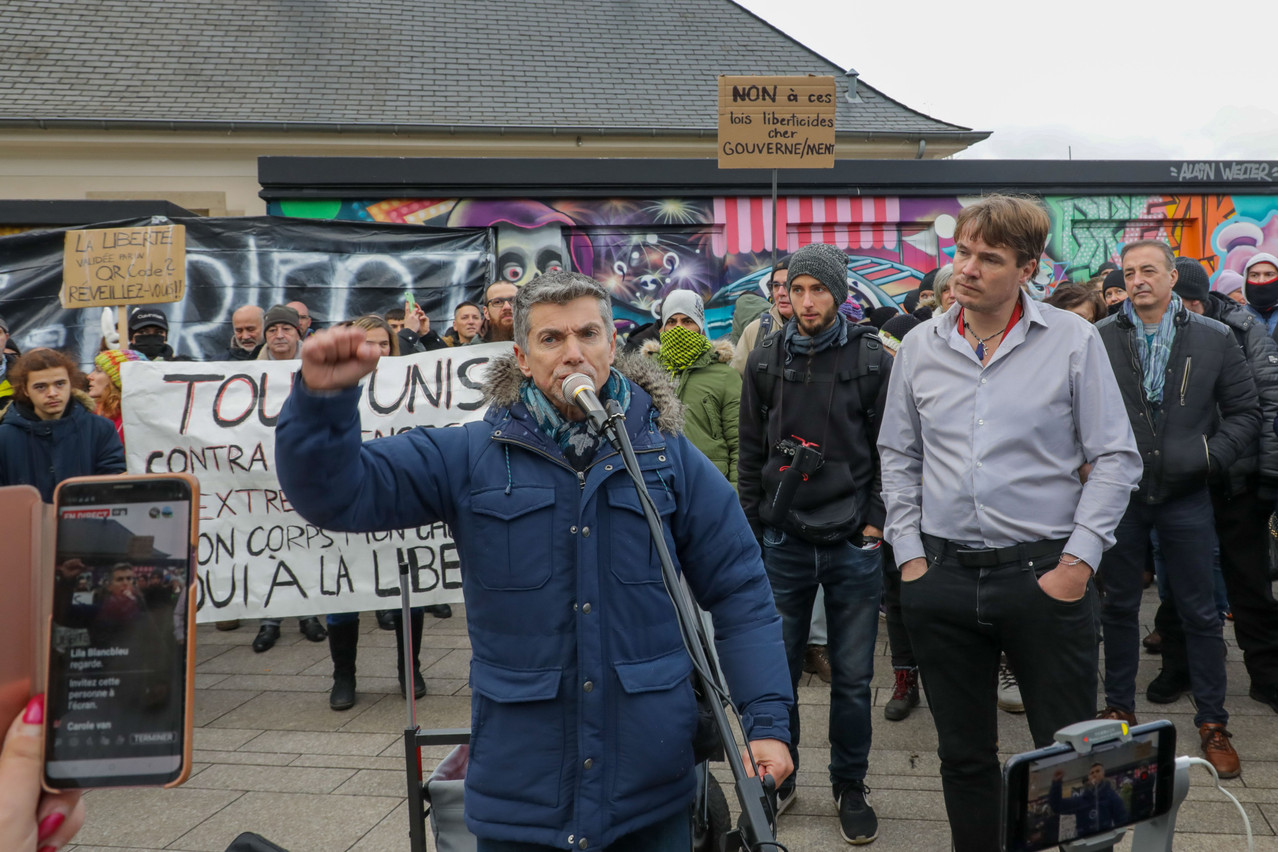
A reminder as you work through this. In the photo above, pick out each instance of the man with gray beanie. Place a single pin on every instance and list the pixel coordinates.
(808, 476)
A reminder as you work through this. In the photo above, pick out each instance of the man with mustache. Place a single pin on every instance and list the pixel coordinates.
(583, 711)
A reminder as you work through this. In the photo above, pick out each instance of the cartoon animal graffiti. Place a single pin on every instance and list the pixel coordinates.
(532, 237)
(1237, 240)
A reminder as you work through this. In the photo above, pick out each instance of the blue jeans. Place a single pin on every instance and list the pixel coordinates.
(673, 834)
(1186, 532)
(853, 583)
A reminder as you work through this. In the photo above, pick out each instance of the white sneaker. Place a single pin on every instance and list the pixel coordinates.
(1009, 691)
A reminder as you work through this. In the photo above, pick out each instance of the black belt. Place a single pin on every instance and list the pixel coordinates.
(992, 557)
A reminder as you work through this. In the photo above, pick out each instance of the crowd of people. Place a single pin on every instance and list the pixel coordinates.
(998, 478)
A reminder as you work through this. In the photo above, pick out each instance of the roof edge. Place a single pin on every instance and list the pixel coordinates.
(209, 125)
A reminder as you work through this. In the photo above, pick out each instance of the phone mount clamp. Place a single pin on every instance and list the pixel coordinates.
(1153, 835)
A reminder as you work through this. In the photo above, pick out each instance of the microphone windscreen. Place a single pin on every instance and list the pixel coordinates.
(573, 384)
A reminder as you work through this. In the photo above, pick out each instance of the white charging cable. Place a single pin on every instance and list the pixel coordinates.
(1198, 761)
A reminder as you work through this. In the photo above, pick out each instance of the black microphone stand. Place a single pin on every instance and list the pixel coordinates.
(755, 825)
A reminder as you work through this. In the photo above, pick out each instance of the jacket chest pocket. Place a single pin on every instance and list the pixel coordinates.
(634, 555)
(514, 533)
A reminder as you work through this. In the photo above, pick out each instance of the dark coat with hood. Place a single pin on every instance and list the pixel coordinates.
(45, 452)
(808, 404)
(1260, 462)
(582, 712)
(1209, 416)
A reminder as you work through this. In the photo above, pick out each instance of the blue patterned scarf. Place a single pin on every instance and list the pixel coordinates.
(574, 438)
(1154, 354)
(800, 344)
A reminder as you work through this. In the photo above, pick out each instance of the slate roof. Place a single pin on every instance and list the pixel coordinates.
(370, 65)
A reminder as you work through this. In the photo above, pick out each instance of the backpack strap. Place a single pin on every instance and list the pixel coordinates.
(868, 376)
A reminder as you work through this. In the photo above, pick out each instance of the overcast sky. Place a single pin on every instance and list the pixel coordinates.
(1111, 79)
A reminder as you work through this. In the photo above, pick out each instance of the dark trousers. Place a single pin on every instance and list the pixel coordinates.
(1242, 523)
(960, 619)
(853, 583)
(898, 637)
(1185, 536)
(672, 834)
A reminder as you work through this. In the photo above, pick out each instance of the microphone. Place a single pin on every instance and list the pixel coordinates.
(580, 390)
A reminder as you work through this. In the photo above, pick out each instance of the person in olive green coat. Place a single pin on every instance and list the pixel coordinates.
(708, 386)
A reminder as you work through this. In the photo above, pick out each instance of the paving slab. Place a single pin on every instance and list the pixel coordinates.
(278, 779)
(322, 742)
(286, 711)
(296, 821)
(137, 818)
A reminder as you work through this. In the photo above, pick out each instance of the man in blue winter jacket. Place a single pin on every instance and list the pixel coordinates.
(582, 710)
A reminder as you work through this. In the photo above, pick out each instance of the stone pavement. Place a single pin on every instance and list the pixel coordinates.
(271, 757)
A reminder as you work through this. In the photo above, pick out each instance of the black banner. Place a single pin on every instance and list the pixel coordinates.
(340, 270)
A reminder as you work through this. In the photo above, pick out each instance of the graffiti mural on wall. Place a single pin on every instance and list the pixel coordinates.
(643, 248)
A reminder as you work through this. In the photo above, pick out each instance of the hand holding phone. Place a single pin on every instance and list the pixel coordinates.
(29, 816)
(121, 650)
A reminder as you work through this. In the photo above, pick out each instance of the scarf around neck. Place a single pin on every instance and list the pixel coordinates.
(1154, 354)
(574, 438)
(681, 348)
(800, 344)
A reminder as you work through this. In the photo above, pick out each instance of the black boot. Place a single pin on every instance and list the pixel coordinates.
(343, 640)
(419, 684)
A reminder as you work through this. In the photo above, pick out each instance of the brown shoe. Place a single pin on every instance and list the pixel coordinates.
(1219, 751)
(1117, 715)
(234, 624)
(1153, 642)
(816, 660)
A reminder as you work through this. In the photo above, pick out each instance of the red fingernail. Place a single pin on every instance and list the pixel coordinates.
(50, 824)
(34, 714)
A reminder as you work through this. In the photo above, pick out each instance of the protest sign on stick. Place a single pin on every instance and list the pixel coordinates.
(255, 555)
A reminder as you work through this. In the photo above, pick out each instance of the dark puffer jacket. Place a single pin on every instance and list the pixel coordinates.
(1261, 461)
(45, 452)
(1209, 416)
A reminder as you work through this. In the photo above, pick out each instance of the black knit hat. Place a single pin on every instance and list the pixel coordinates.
(1114, 279)
(827, 264)
(878, 316)
(928, 279)
(1191, 280)
(900, 325)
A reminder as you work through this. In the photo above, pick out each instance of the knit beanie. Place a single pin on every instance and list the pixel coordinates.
(109, 362)
(684, 302)
(895, 329)
(1114, 278)
(878, 316)
(929, 278)
(827, 264)
(1228, 282)
(282, 314)
(1191, 280)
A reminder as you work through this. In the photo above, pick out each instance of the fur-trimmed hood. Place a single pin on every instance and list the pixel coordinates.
(720, 353)
(501, 387)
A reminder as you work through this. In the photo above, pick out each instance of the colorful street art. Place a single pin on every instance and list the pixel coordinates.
(644, 248)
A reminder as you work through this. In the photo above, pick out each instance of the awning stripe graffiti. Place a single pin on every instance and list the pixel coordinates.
(745, 224)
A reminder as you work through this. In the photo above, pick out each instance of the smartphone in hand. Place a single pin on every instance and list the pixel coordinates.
(121, 652)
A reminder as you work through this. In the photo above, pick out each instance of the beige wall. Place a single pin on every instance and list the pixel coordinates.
(216, 173)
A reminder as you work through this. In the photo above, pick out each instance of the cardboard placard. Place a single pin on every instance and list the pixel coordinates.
(105, 267)
(776, 122)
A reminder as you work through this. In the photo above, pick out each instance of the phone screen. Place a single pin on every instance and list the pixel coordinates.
(1057, 795)
(116, 702)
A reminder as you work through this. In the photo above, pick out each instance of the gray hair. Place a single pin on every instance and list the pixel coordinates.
(557, 288)
(1168, 256)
